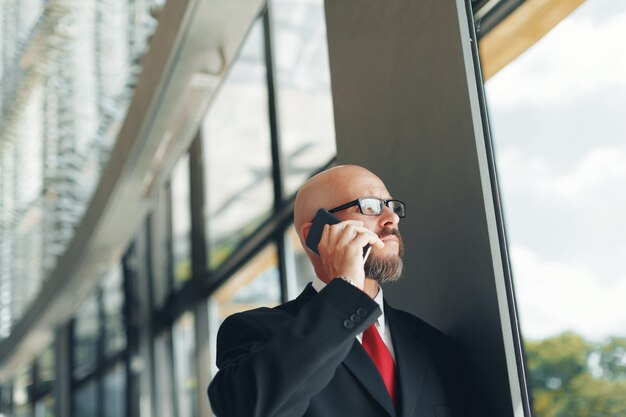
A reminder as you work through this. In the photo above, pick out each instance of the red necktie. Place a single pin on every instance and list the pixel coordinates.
(374, 345)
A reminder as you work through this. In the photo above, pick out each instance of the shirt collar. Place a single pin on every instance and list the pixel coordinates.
(318, 285)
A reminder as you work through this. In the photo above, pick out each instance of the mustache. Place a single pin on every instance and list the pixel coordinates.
(386, 231)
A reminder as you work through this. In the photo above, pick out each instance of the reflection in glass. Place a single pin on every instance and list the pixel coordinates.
(45, 407)
(29, 244)
(181, 222)
(301, 272)
(185, 366)
(256, 284)
(5, 397)
(114, 392)
(85, 338)
(305, 106)
(237, 153)
(24, 411)
(86, 400)
(22, 386)
(61, 109)
(45, 370)
(163, 375)
(113, 305)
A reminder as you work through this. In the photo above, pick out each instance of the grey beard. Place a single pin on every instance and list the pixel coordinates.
(384, 269)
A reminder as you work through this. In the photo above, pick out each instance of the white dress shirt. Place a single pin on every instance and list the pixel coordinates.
(381, 322)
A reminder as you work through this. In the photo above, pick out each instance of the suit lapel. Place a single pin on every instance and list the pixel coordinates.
(411, 357)
(363, 368)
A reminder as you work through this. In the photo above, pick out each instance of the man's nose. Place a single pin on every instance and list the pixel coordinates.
(389, 217)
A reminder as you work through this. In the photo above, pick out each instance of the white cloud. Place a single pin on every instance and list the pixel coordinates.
(530, 172)
(595, 169)
(574, 59)
(554, 297)
(516, 163)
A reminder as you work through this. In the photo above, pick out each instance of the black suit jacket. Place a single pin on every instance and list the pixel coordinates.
(302, 359)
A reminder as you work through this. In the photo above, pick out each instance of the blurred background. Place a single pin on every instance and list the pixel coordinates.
(149, 156)
(560, 145)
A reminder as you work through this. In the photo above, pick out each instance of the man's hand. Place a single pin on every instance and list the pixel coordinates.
(341, 250)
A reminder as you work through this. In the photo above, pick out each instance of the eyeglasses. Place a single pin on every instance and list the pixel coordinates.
(374, 206)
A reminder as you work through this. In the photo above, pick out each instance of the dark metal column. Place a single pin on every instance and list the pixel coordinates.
(63, 371)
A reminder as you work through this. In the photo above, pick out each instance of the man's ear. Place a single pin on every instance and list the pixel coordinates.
(305, 228)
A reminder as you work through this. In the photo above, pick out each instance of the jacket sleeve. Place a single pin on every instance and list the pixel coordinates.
(275, 375)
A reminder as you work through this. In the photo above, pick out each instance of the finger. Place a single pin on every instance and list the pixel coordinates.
(377, 242)
(365, 239)
(324, 238)
(346, 223)
(347, 234)
(373, 237)
(337, 231)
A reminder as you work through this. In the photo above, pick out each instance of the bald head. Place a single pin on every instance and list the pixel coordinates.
(338, 186)
(333, 187)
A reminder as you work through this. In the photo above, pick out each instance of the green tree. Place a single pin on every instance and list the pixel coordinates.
(613, 359)
(562, 381)
(594, 397)
(555, 361)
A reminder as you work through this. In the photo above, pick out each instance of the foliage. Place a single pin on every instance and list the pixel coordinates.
(613, 359)
(572, 377)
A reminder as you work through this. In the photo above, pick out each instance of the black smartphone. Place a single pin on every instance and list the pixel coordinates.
(322, 218)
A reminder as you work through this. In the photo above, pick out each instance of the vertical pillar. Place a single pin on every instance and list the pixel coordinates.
(140, 334)
(408, 106)
(63, 370)
(203, 351)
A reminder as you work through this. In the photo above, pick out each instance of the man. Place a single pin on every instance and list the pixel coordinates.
(339, 349)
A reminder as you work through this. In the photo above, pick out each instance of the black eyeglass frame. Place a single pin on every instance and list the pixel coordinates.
(357, 202)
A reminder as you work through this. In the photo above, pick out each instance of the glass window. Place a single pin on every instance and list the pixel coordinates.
(163, 377)
(7, 243)
(85, 340)
(114, 392)
(22, 411)
(181, 222)
(256, 284)
(86, 400)
(559, 131)
(22, 393)
(64, 121)
(237, 157)
(113, 306)
(300, 271)
(5, 398)
(45, 407)
(185, 366)
(29, 243)
(45, 371)
(305, 116)
(135, 268)
(160, 253)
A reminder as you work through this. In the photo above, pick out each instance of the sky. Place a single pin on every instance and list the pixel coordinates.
(559, 129)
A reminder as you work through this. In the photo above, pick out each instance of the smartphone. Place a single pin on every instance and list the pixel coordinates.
(322, 218)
